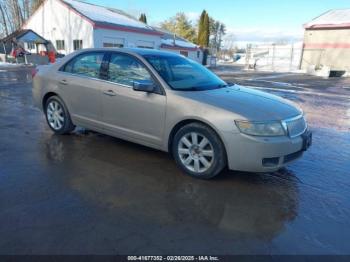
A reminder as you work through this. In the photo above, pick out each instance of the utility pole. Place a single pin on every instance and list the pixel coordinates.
(291, 57)
(247, 55)
(273, 56)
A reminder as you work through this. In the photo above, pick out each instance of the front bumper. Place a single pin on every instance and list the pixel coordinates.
(264, 154)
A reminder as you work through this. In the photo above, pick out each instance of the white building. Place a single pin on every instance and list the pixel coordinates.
(71, 25)
(176, 44)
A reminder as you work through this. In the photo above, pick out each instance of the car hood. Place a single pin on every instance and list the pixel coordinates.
(247, 103)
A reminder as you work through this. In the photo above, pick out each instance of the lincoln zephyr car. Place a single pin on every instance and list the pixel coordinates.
(168, 102)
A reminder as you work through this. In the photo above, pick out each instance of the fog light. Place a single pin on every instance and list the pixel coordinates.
(270, 162)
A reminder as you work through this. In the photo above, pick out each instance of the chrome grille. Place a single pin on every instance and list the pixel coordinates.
(296, 126)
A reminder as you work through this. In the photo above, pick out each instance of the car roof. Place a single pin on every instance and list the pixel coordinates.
(138, 51)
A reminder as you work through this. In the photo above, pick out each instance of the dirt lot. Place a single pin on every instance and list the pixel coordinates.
(92, 194)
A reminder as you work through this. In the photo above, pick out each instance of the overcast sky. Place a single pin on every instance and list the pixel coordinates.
(246, 20)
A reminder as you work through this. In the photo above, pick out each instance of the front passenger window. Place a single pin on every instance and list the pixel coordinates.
(86, 65)
(124, 69)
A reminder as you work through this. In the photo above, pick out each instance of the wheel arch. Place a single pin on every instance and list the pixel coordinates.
(185, 122)
(46, 97)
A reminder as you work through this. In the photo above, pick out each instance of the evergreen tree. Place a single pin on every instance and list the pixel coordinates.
(206, 30)
(143, 18)
(204, 34)
(200, 28)
(203, 29)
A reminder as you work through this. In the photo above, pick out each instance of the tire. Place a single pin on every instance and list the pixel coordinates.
(197, 157)
(57, 116)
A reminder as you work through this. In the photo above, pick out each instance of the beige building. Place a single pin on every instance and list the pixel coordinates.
(327, 41)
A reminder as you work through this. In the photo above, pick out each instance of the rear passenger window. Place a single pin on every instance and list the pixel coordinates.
(124, 69)
(85, 64)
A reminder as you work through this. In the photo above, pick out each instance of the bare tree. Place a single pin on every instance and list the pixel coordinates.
(3, 21)
(34, 5)
(14, 13)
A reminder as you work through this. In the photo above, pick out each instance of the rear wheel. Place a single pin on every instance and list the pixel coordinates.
(57, 116)
(198, 151)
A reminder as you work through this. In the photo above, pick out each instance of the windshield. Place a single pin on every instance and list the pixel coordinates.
(183, 74)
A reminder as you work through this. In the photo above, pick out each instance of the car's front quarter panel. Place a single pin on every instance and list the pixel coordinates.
(244, 152)
(180, 108)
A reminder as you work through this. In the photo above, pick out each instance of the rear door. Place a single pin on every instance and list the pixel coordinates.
(133, 115)
(80, 86)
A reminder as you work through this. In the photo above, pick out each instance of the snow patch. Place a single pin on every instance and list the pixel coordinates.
(106, 15)
(5, 64)
(332, 17)
(170, 42)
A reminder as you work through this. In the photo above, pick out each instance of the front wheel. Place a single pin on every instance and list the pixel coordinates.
(57, 116)
(198, 151)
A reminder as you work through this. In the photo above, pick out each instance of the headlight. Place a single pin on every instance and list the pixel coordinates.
(272, 128)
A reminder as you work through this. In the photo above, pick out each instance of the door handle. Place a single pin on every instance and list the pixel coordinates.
(109, 93)
(64, 82)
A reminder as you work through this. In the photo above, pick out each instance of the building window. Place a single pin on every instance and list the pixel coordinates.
(113, 42)
(184, 53)
(60, 45)
(145, 44)
(77, 44)
(147, 47)
(198, 54)
(113, 45)
(31, 45)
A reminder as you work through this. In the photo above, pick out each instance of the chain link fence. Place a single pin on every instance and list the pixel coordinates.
(274, 57)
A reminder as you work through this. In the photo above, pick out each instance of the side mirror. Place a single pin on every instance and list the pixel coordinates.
(144, 86)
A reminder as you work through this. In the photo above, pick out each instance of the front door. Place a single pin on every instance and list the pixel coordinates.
(133, 115)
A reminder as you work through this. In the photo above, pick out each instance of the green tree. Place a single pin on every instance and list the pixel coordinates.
(200, 28)
(206, 30)
(203, 29)
(204, 35)
(143, 18)
(181, 26)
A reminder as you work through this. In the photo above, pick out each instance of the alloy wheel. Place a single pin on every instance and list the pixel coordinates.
(196, 152)
(55, 115)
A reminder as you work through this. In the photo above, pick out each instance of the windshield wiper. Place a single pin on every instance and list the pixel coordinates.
(189, 89)
(201, 88)
(225, 85)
